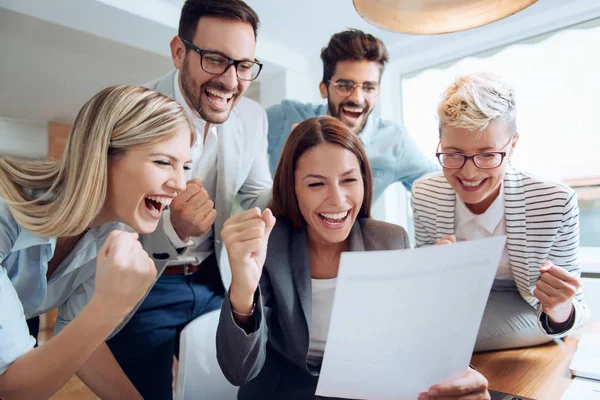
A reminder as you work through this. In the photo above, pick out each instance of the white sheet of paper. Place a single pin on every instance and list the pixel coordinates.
(583, 389)
(404, 320)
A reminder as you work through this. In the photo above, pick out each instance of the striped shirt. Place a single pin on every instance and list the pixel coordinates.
(542, 223)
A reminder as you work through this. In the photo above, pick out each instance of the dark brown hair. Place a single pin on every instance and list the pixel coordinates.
(234, 10)
(305, 136)
(352, 45)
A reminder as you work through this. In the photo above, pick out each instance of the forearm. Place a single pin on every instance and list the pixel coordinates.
(41, 372)
(103, 375)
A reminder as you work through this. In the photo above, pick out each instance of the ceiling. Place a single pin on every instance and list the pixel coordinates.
(55, 55)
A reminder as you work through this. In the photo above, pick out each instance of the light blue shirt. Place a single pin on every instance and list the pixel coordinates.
(24, 290)
(392, 153)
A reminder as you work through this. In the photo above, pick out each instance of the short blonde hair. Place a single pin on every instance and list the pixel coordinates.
(73, 190)
(475, 100)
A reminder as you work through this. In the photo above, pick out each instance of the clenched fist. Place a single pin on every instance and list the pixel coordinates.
(245, 236)
(556, 290)
(192, 211)
(124, 272)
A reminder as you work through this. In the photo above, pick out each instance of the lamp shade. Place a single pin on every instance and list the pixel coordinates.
(436, 16)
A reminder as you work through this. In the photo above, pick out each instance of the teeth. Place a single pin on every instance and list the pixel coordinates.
(471, 184)
(159, 199)
(220, 94)
(353, 109)
(335, 216)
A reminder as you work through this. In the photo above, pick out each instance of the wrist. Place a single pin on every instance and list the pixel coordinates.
(560, 314)
(105, 311)
(241, 302)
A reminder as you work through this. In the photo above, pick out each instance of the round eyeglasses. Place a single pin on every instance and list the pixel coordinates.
(346, 88)
(217, 64)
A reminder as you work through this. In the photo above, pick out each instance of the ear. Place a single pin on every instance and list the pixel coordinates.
(323, 90)
(514, 143)
(178, 51)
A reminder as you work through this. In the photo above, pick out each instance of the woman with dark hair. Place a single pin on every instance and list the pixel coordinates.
(274, 321)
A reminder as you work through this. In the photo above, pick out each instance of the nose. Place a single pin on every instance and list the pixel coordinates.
(337, 195)
(357, 96)
(469, 170)
(177, 181)
(229, 78)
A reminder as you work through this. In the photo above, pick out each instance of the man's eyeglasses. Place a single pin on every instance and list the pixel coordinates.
(346, 88)
(218, 64)
(487, 160)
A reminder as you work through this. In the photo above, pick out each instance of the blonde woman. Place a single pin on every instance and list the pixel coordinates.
(537, 294)
(62, 242)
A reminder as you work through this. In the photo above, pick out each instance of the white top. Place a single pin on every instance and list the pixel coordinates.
(469, 226)
(323, 291)
(204, 166)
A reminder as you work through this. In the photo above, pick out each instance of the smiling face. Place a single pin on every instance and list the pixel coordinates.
(352, 110)
(143, 180)
(213, 96)
(476, 187)
(330, 192)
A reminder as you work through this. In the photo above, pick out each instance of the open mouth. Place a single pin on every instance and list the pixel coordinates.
(472, 186)
(334, 219)
(217, 98)
(352, 113)
(156, 204)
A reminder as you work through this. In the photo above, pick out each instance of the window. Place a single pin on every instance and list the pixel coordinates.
(555, 77)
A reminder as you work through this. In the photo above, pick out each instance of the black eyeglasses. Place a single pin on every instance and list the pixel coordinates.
(346, 88)
(487, 160)
(218, 64)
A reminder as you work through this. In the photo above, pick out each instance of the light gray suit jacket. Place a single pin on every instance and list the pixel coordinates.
(270, 362)
(242, 171)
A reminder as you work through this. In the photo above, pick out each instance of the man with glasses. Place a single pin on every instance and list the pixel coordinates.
(353, 63)
(536, 295)
(214, 58)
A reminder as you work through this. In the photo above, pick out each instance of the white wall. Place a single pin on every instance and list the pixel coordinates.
(23, 138)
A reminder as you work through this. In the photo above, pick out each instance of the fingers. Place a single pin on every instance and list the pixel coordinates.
(472, 384)
(252, 213)
(269, 220)
(193, 187)
(447, 240)
(558, 272)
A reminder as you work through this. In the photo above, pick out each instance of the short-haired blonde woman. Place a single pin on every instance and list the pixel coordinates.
(536, 295)
(62, 242)
(274, 321)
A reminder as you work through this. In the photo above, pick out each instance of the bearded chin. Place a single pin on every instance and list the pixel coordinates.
(335, 112)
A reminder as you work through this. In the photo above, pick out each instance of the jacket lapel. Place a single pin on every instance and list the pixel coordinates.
(515, 214)
(301, 271)
(444, 226)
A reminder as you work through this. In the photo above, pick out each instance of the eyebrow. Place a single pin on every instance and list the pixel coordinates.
(169, 157)
(317, 176)
(351, 81)
(225, 55)
(483, 149)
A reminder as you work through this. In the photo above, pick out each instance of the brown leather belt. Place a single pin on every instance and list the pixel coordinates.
(185, 269)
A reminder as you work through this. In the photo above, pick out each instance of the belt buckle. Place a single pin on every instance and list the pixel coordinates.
(186, 269)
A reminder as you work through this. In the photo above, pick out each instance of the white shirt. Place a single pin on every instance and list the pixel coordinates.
(204, 166)
(323, 291)
(469, 226)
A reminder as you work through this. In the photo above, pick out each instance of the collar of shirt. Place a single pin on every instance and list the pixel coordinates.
(489, 220)
(367, 132)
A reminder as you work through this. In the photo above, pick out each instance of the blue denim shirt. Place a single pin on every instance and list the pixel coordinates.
(24, 290)
(393, 155)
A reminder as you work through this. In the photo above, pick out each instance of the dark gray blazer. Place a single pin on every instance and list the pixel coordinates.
(270, 362)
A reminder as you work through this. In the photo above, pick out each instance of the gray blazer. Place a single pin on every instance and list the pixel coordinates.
(270, 362)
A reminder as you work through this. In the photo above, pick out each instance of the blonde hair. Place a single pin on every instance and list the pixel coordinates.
(475, 100)
(73, 190)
